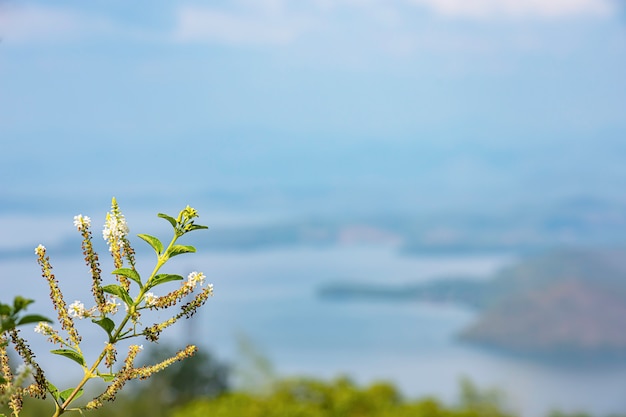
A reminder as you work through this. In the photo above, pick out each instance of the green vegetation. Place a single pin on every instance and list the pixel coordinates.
(338, 398)
(102, 370)
(206, 392)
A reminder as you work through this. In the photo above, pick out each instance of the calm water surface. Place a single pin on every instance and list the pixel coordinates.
(270, 298)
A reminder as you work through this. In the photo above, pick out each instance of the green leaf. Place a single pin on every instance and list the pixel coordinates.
(2, 381)
(106, 323)
(8, 324)
(161, 278)
(168, 218)
(128, 273)
(180, 249)
(20, 303)
(106, 377)
(71, 354)
(118, 291)
(152, 241)
(5, 310)
(33, 318)
(64, 395)
(197, 227)
(53, 390)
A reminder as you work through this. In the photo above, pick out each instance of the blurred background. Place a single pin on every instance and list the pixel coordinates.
(416, 191)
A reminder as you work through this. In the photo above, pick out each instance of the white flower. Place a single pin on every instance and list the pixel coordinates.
(150, 299)
(81, 222)
(40, 250)
(43, 328)
(140, 347)
(115, 229)
(77, 309)
(210, 286)
(111, 306)
(195, 278)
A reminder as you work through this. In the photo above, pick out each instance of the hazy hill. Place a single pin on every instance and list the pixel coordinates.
(566, 317)
(564, 303)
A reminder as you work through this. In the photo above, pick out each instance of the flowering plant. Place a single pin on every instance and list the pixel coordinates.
(131, 291)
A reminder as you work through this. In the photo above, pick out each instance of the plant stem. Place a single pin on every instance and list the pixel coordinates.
(162, 259)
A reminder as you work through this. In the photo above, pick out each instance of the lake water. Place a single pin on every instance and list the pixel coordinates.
(270, 297)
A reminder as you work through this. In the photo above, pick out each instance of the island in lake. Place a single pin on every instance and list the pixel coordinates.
(568, 304)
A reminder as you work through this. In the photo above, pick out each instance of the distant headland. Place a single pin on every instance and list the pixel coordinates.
(566, 304)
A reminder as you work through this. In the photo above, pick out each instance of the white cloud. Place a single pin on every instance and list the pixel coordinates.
(273, 7)
(542, 9)
(335, 28)
(267, 23)
(44, 24)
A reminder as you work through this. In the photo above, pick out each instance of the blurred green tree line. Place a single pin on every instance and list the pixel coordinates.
(201, 387)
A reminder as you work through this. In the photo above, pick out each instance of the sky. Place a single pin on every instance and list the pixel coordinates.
(456, 100)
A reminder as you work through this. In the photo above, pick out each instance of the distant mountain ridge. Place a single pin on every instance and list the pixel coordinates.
(563, 303)
(523, 230)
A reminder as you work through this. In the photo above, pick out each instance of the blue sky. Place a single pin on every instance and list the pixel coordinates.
(432, 97)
